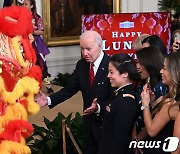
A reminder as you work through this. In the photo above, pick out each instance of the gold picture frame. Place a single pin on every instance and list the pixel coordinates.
(55, 36)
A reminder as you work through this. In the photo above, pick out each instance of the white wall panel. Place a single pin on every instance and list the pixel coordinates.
(130, 6)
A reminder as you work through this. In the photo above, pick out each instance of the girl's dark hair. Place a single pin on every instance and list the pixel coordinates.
(155, 41)
(33, 9)
(125, 64)
(7, 3)
(152, 60)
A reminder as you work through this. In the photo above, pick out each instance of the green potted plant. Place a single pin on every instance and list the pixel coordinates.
(62, 79)
(48, 139)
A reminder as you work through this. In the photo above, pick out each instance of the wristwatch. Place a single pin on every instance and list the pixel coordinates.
(143, 107)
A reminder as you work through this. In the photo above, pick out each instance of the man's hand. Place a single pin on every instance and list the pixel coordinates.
(93, 108)
(42, 100)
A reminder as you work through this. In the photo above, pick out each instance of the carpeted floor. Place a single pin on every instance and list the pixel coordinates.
(73, 105)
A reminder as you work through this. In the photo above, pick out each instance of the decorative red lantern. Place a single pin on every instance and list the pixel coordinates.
(94, 28)
(142, 19)
(158, 28)
(110, 21)
(151, 23)
(101, 24)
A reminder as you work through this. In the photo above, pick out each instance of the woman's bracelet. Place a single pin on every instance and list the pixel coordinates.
(143, 107)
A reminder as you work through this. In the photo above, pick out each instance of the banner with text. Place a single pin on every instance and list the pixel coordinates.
(120, 30)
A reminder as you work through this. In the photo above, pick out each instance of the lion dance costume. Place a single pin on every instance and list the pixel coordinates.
(20, 80)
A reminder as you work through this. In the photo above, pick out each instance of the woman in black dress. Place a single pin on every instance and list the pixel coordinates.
(160, 123)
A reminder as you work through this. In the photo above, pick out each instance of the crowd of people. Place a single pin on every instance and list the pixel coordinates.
(140, 102)
(123, 100)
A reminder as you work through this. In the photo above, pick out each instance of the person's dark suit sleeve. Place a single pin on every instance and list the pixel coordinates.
(125, 118)
(67, 92)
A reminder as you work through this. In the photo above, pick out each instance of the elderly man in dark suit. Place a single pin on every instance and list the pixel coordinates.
(90, 77)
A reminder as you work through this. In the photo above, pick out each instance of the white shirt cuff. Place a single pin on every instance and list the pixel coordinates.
(99, 109)
(49, 101)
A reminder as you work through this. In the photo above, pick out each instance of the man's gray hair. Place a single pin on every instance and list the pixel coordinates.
(91, 33)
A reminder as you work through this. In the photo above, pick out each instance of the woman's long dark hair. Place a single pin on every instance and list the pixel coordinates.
(152, 60)
(33, 9)
(155, 41)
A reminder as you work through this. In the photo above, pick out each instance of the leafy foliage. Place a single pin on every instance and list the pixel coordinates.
(62, 79)
(49, 139)
(166, 5)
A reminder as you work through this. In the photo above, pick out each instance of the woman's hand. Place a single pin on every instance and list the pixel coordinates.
(145, 95)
